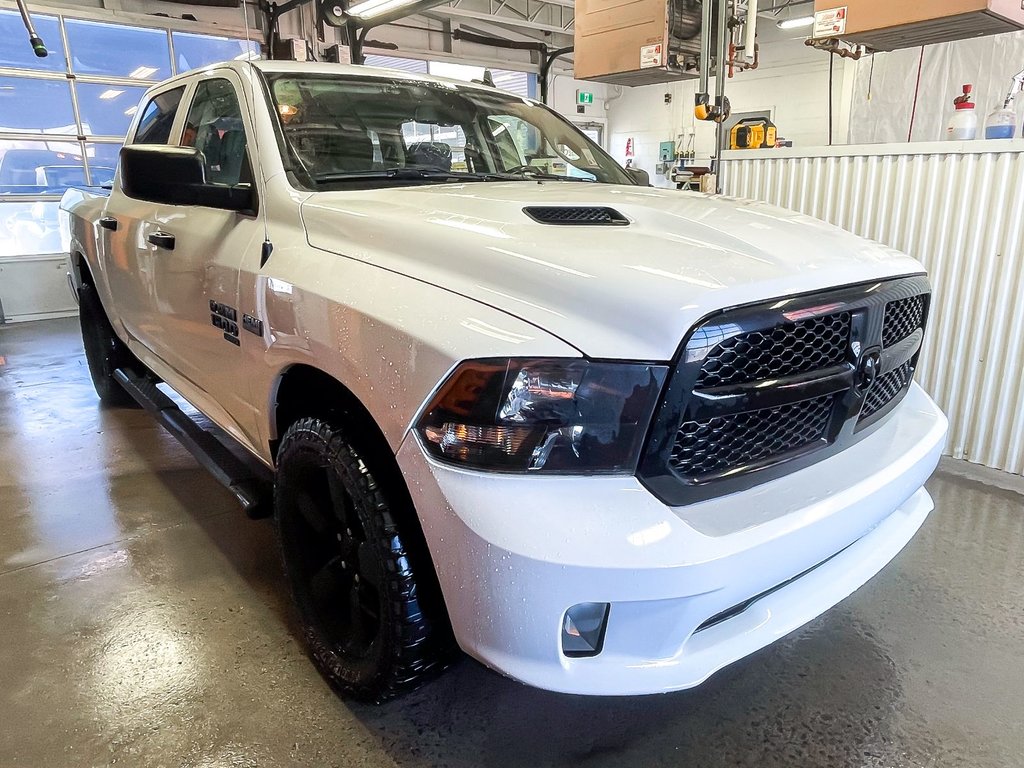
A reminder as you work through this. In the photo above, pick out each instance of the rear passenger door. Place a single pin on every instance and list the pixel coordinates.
(127, 224)
(195, 299)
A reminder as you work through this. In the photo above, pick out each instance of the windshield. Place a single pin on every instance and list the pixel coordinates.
(345, 130)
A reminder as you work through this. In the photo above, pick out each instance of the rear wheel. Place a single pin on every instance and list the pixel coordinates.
(348, 566)
(104, 352)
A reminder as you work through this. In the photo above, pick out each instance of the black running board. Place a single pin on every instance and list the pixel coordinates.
(251, 490)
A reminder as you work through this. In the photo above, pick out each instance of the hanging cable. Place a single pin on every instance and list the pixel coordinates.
(38, 46)
(871, 76)
(917, 90)
(831, 70)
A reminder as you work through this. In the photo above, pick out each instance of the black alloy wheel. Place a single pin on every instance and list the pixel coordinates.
(348, 567)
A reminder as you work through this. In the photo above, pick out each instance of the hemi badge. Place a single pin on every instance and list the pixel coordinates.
(804, 314)
(252, 325)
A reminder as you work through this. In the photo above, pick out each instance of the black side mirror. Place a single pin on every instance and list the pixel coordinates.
(641, 177)
(158, 173)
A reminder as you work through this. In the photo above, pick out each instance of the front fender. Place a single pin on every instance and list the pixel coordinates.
(389, 339)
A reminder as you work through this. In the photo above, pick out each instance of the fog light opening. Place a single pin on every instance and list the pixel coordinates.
(583, 628)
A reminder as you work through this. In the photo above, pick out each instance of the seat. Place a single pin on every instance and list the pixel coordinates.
(347, 152)
(232, 156)
(435, 155)
(330, 150)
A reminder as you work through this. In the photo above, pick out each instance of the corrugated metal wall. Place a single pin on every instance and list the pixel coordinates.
(961, 213)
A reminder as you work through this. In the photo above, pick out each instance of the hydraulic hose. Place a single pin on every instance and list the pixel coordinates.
(38, 46)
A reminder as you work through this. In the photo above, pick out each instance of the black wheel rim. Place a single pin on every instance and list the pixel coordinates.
(336, 576)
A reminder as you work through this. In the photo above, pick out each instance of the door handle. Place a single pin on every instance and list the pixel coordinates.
(109, 222)
(162, 240)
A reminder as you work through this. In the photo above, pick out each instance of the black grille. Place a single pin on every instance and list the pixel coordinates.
(576, 215)
(886, 388)
(902, 318)
(726, 442)
(785, 350)
(763, 390)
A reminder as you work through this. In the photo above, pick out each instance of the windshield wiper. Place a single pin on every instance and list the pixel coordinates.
(522, 173)
(410, 174)
(533, 172)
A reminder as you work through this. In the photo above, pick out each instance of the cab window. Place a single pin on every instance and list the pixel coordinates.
(158, 117)
(214, 126)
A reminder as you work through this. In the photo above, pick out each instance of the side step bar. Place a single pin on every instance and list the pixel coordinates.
(251, 490)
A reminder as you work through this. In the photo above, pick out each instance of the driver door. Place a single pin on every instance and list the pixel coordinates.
(195, 303)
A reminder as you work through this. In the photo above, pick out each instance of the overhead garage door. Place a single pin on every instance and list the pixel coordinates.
(62, 121)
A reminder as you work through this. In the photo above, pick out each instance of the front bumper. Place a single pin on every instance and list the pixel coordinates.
(514, 552)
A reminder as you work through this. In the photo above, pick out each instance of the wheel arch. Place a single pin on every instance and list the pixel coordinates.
(302, 390)
(79, 266)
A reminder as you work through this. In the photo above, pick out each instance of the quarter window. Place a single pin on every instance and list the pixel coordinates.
(158, 117)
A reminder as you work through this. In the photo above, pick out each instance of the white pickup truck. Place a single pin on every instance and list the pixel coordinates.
(605, 437)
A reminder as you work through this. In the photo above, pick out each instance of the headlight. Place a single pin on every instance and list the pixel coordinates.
(552, 415)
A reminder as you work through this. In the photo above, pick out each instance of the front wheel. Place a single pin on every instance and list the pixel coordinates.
(348, 567)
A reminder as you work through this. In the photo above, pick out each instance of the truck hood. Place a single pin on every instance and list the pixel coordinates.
(618, 292)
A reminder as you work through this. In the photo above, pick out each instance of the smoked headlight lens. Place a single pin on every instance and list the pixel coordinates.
(548, 415)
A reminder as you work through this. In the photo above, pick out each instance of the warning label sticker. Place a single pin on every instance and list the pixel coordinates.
(650, 56)
(830, 23)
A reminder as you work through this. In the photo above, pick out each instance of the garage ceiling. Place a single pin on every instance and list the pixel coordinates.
(551, 21)
(548, 20)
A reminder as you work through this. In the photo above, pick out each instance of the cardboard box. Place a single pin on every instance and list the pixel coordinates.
(624, 42)
(886, 25)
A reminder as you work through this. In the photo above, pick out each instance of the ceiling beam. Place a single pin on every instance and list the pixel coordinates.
(461, 13)
(488, 28)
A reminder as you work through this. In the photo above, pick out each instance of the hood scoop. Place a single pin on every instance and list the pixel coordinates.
(576, 215)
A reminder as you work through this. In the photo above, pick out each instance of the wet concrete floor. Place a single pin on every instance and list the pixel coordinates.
(144, 622)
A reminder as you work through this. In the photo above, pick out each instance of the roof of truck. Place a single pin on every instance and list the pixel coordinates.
(342, 70)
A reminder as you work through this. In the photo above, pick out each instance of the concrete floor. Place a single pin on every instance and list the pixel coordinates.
(144, 622)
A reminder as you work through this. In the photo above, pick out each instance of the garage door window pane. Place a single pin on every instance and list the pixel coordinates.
(113, 49)
(15, 50)
(520, 83)
(102, 160)
(394, 62)
(193, 51)
(107, 110)
(36, 106)
(29, 229)
(39, 167)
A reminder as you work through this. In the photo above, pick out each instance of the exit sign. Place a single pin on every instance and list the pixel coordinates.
(582, 97)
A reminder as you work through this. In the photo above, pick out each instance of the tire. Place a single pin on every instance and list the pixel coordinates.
(348, 566)
(104, 352)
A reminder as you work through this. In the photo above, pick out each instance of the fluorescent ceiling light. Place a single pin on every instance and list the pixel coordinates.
(141, 73)
(370, 8)
(131, 111)
(795, 23)
(111, 93)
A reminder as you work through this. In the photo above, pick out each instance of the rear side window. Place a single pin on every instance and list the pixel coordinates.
(158, 117)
